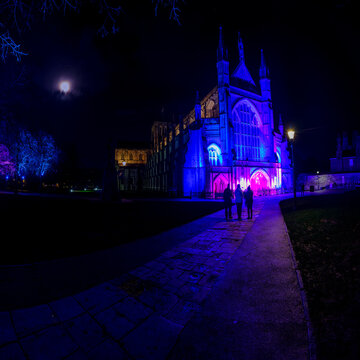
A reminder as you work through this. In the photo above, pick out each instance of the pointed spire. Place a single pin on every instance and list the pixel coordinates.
(264, 71)
(281, 123)
(221, 52)
(197, 107)
(241, 49)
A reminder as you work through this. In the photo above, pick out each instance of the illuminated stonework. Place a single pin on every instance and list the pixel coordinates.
(131, 156)
(130, 167)
(230, 137)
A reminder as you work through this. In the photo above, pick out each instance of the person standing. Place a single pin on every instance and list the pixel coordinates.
(249, 198)
(238, 200)
(303, 189)
(228, 203)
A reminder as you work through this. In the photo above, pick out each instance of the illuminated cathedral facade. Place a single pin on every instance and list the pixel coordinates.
(228, 138)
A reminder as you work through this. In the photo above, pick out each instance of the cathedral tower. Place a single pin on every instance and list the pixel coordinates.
(264, 79)
(224, 100)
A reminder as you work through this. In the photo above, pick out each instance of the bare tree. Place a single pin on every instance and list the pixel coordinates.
(17, 16)
(32, 155)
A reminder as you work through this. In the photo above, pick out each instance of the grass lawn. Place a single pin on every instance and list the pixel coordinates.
(43, 228)
(325, 233)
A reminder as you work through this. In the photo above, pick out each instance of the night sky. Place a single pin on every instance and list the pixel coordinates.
(121, 83)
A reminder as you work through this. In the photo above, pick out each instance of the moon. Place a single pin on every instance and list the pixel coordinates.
(64, 86)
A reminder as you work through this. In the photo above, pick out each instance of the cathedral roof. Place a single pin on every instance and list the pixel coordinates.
(241, 77)
(242, 73)
(244, 84)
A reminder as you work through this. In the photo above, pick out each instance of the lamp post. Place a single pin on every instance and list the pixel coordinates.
(317, 176)
(291, 135)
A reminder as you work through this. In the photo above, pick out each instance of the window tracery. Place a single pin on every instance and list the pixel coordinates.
(247, 133)
(215, 158)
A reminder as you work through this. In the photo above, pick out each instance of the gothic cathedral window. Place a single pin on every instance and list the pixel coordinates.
(215, 158)
(247, 133)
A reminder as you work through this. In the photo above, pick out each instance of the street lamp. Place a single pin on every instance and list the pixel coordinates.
(291, 135)
(318, 172)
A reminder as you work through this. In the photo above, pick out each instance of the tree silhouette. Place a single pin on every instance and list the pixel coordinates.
(7, 166)
(17, 16)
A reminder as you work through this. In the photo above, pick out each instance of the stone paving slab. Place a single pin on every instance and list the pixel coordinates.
(115, 324)
(138, 315)
(100, 297)
(133, 310)
(6, 329)
(108, 350)
(32, 319)
(255, 310)
(52, 343)
(66, 308)
(12, 351)
(85, 331)
(153, 339)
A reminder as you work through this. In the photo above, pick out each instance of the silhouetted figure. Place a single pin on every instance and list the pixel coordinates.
(228, 202)
(249, 198)
(238, 200)
(302, 189)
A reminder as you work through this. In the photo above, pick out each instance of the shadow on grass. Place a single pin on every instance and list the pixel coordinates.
(45, 228)
(325, 233)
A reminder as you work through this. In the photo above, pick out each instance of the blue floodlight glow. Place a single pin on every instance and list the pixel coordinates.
(215, 157)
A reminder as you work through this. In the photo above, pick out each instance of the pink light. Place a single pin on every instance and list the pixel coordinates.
(243, 184)
(259, 182)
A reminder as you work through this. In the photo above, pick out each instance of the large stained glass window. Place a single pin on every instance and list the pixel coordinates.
(215, 157)
(247, 133)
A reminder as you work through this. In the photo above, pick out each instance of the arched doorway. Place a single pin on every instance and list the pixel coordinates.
(260, 182)
(220, 183)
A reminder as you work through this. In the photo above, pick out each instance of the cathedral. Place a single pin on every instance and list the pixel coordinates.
(229, 137)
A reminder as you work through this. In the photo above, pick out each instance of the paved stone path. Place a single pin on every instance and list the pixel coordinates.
(147, 313)
(255, 309)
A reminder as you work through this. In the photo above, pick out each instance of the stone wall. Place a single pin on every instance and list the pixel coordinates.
(131, 156)
(328, 180)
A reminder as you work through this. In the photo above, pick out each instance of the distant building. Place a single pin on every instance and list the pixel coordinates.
(130, 160)
(347, 154)
(230, 137)
(344, 168)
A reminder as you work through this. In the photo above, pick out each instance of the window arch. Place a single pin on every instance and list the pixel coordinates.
(278, 157)
(247, 132)
(215, 157)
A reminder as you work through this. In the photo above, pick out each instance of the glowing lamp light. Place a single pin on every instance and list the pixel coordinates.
(243, 183)
(124, 163)
(291, 134)
(64, 87)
